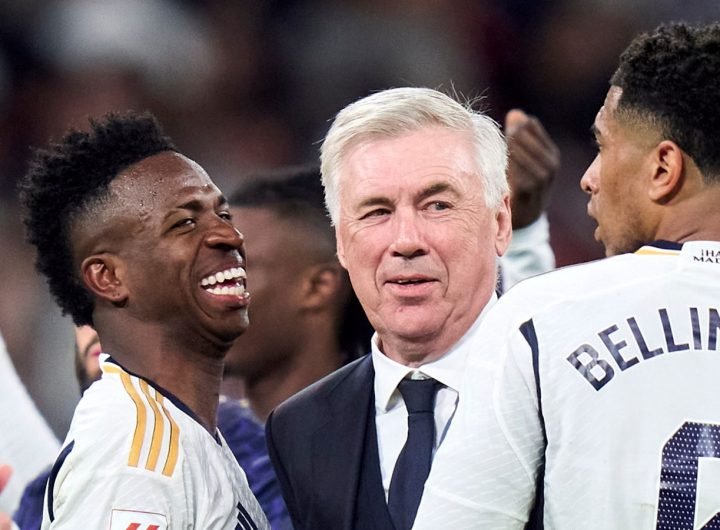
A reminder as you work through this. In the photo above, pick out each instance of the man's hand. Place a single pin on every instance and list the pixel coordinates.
(5, 474)
(534, 160)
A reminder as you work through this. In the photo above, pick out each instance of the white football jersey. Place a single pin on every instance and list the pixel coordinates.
(596, 387)
(136, 458)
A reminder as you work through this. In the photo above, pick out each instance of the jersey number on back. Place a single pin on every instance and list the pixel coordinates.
(679, 475)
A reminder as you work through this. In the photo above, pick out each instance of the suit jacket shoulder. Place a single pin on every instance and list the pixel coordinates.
(315, 441)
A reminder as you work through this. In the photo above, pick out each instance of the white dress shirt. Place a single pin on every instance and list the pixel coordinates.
(390, 412)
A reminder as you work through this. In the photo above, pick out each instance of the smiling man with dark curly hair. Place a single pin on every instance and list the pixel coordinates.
(135, 239)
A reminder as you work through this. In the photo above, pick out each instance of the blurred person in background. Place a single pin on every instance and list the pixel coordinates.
(27, 445)
(86, 359)
(533, 164)
(307, 321)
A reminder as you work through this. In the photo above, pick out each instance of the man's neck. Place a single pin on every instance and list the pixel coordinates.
(417, 350)
(191, 375)
(696, 219)
(415, 353)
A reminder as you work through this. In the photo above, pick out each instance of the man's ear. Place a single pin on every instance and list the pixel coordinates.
(667, 175)
(503, 222)
(103, 275)
(321, 284)
(340, 249)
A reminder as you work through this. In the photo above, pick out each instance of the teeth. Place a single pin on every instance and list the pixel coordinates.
(223, 276)
(235, 290)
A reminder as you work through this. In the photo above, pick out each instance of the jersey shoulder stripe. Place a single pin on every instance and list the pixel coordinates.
(172, 456)
(156, 436)
(649, 250)
(53, 476)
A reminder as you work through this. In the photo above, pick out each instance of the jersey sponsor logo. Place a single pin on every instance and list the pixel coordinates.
(155, 441)
(626, 344)
(136, 520)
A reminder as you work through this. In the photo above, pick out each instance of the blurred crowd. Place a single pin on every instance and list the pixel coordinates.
(244, 86)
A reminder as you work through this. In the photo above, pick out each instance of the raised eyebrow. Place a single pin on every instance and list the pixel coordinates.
(371, 202)
(198, 204)
(222, 201)
(433, 190)
(194, 205)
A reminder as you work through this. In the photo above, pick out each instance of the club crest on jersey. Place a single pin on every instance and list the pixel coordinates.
(134, 520)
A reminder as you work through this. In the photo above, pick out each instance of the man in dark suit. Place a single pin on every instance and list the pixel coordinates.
(415, 185)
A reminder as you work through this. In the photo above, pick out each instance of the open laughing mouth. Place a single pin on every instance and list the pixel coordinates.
(230, 282)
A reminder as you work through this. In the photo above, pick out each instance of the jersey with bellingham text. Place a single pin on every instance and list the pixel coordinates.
(136, 458)
(595, 386)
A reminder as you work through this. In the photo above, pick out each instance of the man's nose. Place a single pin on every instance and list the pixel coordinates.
(224, 234)
(408, 235)
(589, 181)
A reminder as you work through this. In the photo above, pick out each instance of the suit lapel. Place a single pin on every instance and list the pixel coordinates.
(338, 446)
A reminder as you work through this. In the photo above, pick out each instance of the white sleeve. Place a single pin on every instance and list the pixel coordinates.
(529, 253)
(484, 474)
(26, 443)
(112, 499)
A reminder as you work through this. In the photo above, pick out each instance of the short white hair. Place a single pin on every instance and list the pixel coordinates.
(397, 111)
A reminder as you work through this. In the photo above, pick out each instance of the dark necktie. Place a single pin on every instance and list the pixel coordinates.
(413, 464)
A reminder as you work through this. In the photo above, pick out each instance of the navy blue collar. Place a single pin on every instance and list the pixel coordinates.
(666, 245)
(169, 395)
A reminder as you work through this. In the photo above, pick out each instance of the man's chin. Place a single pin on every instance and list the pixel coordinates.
(228, 333)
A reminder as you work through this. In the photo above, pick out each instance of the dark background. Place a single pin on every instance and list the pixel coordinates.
(248, 85)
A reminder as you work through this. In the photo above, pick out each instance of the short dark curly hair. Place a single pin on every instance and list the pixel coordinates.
(670, 78)
(65, 180)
